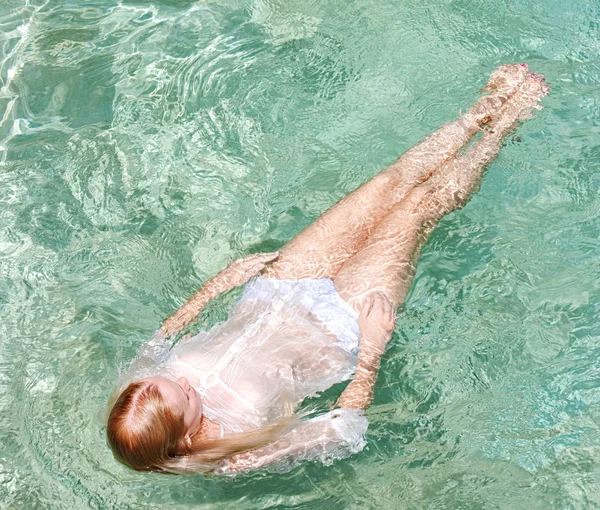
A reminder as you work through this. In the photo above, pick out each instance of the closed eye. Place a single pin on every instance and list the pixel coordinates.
(186, 393)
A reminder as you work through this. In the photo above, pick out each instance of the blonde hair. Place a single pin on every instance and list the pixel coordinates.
(146, 435)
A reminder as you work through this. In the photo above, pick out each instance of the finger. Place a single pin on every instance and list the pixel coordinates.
(269, 257)
(262, 257)
(366, 306)
(254, 268)
(387, 306)
(378, 303)
(372, 301)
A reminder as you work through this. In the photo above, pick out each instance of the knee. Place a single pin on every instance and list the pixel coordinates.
(437, 204)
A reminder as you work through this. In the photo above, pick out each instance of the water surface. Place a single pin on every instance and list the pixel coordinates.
(144, 145)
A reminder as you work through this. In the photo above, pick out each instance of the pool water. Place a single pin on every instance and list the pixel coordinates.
(144, 145)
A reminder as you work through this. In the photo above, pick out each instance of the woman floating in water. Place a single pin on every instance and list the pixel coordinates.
(322, 312)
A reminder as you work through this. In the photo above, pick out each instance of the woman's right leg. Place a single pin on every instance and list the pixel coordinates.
(387, 261)
(323, 247)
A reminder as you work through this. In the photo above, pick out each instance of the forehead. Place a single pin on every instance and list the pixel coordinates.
(168, 389)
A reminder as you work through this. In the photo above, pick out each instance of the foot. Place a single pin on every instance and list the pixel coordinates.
(455, 181)
(521, 104)
(503, 83)
(507, 79)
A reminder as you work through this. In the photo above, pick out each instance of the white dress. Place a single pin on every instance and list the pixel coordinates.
(284, 341)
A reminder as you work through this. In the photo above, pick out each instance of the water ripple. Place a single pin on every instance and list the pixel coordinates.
(144, 145)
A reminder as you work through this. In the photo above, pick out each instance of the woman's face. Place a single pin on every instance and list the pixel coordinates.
(181, 398)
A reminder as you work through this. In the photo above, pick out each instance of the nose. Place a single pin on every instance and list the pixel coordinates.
(184, 383)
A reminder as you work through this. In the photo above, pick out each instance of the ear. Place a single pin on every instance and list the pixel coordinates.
(188, 440)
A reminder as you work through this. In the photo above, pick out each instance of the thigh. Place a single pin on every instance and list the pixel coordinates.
(386, 262)
(320, 250)
(323, 247)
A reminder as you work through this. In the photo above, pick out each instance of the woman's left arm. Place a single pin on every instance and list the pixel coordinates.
(331, 436)
(340, 432)
(234, 275)
(376, 325)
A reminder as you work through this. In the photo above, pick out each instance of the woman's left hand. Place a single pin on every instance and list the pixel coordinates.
(241, 270)
(376, 322)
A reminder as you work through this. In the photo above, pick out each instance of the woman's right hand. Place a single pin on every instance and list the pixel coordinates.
(376, 322)
(241, 270)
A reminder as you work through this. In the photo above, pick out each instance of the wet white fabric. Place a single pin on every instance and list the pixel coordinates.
(320, 297)
(284, 341)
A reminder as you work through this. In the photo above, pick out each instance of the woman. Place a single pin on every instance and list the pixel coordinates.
(320, 312)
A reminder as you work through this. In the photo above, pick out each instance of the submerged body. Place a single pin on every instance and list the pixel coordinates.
(284, 341)
(222, 400)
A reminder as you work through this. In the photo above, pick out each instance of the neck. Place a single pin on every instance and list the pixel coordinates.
(207, 430)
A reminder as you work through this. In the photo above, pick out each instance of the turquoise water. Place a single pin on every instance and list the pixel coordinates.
(144, 145)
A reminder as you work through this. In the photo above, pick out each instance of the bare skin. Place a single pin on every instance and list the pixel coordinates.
(368, 242)
(386, 263)
(236, 274)
(323, 247)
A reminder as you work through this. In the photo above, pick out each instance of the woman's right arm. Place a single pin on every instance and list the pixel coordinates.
(234, 275)
(376, 324)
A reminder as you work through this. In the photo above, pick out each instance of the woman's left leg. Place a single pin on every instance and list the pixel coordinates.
(323, 247)
(387, 261)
